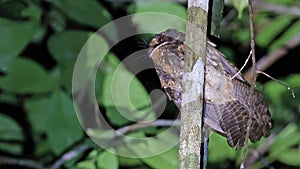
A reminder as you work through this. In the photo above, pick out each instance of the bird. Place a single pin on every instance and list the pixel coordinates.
(227, 100)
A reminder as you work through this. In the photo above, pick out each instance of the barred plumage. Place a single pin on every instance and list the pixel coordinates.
(227, 101)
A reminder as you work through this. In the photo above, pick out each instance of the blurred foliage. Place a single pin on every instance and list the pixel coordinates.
(41, 40)
(240, 5)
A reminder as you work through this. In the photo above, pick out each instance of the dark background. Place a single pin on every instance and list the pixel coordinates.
(40, 41)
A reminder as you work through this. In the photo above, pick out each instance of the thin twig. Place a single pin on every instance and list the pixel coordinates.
(228, 18)
(242, 66)
(161, 122)
(252, 44)
(280, 9)
(7, 161)
(255, 154)
(69, 155)
(279, 82)
(266, 61)
(73, 153)
(269, 141)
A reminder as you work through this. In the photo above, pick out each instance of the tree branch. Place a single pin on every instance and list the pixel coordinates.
(161, 122)
(280, 9)
(193, 86)
(252, 44)
(266, 61)
(256, 154)
(69, 155)
(6, 161)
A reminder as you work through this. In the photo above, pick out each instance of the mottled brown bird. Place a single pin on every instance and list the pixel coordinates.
(227, 100)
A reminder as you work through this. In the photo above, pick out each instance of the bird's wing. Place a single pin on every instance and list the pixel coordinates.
(233, 109)
(227, 66)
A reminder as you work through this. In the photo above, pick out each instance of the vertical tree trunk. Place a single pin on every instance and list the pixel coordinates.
(191, 135)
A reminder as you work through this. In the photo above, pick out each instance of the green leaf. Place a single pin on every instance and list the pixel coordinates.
(65, 46)
(10, 130)
(294, 80)
(115, 117)
(129, 162)
(167, 160)
(157, 20)
(127, 98)
(121, 93)
(281, 144)
(163, 146)
(238, 35)
(274, 97)
(55, 116)
(240, 5)
(219, 150)
(58, 21)
(90, 164)
(107, 160)
(122, 89)
(282, 92)
(12, 9)
(272, 29)
(7, 97)
(291, 97)
(66, 75)
(26, 76)
(16, 35)
(287, 35)
(282, 2)
(90, 13)
(282, 103)
(38, 113)
(290, 157)
(159, 6)
(101, 135)
(156, 148)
